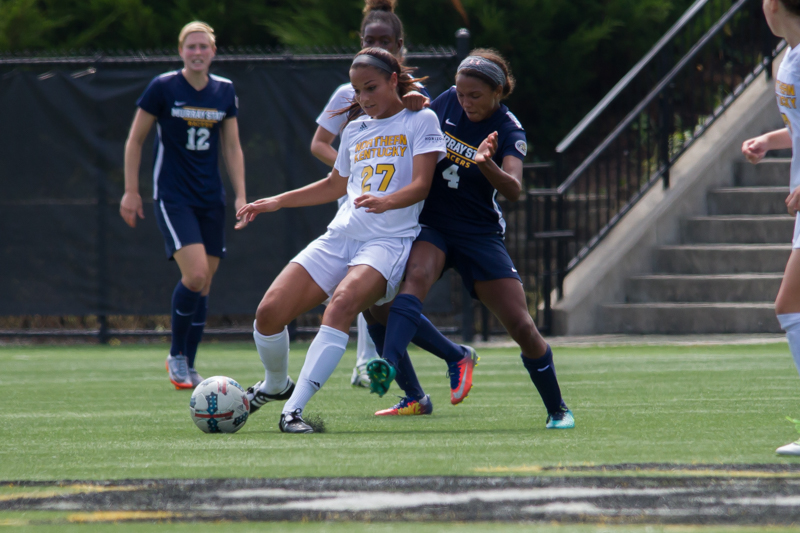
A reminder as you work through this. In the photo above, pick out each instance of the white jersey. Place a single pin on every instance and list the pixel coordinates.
(341, 98)
(786, 87)
(378, 157)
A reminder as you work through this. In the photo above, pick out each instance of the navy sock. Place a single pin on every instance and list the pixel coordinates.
(543, 375)
(184, 305)
(196, 330)
(431, 340)
(404, 317)
(406, 375)
(378, 334)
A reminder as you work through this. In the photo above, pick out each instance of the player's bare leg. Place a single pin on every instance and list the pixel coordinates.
(505, 298)
(199, 321)
(293, 293)
(361, 287)
(192, 261)
(787, 307)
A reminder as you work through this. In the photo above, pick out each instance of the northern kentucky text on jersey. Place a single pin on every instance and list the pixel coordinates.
(787, 97)
(199, 117)
(459, 152)
(381, 146)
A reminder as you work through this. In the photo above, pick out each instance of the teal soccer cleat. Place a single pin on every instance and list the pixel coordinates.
(381, 374)
(562, 419)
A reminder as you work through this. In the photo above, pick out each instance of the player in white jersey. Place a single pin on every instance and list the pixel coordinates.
(380, 27)
(385, 166)
(783, 17)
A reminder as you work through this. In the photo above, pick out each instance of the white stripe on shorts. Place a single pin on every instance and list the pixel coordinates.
(159, 162)
(175, 238)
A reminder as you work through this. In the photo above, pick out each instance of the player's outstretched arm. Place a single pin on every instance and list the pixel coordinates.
(234, 159)
(416, 191)
(508, 179)
(131, 204)
(756, 148)
(330, 188)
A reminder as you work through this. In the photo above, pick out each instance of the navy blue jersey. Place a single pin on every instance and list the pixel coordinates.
(186, 158)
(461, 199)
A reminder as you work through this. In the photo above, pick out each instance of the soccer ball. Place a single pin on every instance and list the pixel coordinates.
(219, 405)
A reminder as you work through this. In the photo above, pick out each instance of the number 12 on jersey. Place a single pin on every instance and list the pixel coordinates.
(198, 139)
(368, 172)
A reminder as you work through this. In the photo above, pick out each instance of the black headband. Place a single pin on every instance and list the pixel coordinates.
(486, 67)
(367, 59)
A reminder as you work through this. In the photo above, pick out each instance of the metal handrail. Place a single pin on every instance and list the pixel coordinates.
(652, 95)
(632, 73)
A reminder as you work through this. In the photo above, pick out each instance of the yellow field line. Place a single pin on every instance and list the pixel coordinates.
(68, 489)
(116, 516)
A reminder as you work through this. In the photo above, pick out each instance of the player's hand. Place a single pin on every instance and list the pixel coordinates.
(238, 205)
(755, 149)
(130, 207)
(374, 204)
(793, 201)
(415, 101)
(249, 212)
(487, 149)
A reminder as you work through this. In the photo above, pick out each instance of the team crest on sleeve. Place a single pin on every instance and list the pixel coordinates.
(522, 147)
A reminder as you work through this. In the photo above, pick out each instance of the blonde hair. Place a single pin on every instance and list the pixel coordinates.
(195, 27)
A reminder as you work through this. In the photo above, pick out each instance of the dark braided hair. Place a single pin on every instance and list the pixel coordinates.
(405, 83)
(382, 11)
(792, 6)
(495, 57)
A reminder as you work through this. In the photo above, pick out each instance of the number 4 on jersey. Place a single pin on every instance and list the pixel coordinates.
(452, 177)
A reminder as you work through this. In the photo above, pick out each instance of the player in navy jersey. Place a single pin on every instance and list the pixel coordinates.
(463, 228)
(195, 112)
(380, 28)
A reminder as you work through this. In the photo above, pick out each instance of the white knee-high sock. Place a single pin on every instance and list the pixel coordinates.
(365, 350)
(274, 353)
(790, 323)
(323, 355)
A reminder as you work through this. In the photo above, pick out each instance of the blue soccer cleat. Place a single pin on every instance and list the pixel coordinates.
(381, 374)
(562, 419)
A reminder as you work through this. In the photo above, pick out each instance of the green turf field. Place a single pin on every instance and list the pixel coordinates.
(99, 412)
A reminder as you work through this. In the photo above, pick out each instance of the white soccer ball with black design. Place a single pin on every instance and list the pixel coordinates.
(219, 405)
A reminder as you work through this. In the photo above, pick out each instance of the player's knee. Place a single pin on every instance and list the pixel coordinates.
(344, 306)
(521, 328)
(269, 319)
(417, 279)
(196, 280)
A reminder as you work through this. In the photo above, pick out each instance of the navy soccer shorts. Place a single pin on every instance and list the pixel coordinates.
(475, 257)
(182, 225)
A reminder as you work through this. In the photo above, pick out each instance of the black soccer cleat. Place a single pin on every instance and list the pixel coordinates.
(294, 423)
(257, 398)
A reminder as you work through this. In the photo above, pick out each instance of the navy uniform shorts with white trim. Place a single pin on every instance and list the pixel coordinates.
(182, 225)
(475, 257)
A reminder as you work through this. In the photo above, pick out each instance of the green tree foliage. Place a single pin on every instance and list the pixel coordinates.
(565, 54)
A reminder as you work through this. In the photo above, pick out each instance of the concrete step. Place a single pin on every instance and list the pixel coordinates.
(771, 172)
(739, 229)
(703, 288)
(721, 259)
(748, 201)
(687, 318)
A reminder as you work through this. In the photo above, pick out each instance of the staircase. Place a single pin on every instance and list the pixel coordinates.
(724, 275)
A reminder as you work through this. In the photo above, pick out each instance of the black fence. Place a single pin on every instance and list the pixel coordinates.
(630, 140)
(64, 250)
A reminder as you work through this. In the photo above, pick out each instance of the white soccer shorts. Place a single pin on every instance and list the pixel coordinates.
(327, 259)
(796, 238)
